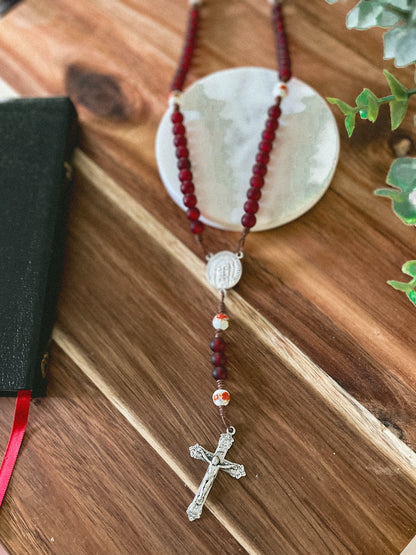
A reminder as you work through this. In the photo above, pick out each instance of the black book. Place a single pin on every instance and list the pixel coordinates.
(6, 5)
(37, 138)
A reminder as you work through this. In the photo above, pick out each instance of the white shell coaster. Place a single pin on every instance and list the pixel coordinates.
(224, 118)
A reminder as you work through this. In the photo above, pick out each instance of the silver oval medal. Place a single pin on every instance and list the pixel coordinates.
(224, 270)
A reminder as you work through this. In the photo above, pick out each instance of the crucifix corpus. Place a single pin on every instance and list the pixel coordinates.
(216, 462)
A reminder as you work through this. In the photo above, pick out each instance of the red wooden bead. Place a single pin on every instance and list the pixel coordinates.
(260, 169)
(268, 135)
(265, 146)
(220, 373)
(251, 206)
(218, 359)
(262, 157)
(218, 345)
(184, 164)
(182, 152)
(271, 124)
(180, 140)
(190, 200)
(257, 181)
(274, 112)
(197, 227)
(176, 117)
(185, 175)
(193, 214)
(254, 193)
(248, 220)
(179, 129)
(187, 187)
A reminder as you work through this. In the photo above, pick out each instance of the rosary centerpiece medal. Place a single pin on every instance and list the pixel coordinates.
(206, 145)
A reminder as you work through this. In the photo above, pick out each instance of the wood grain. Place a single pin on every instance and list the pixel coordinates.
(321, 369)
(289, 399)
(88, 483)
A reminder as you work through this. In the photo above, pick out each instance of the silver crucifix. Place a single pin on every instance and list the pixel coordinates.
(216, 462)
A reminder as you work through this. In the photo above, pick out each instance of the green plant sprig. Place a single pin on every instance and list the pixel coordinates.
(368, 104)
(408, 268)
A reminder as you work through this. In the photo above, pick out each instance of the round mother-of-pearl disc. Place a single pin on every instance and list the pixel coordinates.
(224, 117)
(224, 270)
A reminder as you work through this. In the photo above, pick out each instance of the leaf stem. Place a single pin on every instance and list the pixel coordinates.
(385, 100)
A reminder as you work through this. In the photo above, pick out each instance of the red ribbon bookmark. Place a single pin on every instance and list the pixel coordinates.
(16, 437)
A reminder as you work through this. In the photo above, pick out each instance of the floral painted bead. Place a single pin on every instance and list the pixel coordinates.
(281, 89)
(221, 321)
(221, 397)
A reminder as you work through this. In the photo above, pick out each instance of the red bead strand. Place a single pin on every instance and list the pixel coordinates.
(218, 358)
(285, 72)
(185, 171)
(259, 169)
(251, 206)
(188, 50)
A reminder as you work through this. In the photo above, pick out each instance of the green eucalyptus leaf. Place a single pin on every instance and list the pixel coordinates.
(412, 296)
(350, 123)
(400, 286)
(400, 44)
(392, 194)
(409, 268)
(390, 39)
(372, 107)
(372, 13)
(398, 90)
(402, 176)
(402, 207)
(361, 99)
(345, 108)
(405, 51)
(331, 1)
(404, 5)
(398, 109)
(368, 101)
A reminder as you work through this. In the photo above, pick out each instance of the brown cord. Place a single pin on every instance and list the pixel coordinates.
(221, 305)
(198, 239)
(223, 415)
(240, 244)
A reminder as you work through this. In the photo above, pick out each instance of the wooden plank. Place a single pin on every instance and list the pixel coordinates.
(87, 482)
(355, 336)
(311, 467)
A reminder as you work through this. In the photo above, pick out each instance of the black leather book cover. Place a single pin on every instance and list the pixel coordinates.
(37, 138)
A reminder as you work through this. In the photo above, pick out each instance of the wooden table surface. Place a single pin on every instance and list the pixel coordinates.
(322, 373)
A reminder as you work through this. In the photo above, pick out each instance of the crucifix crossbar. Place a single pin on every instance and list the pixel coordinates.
(216, 462)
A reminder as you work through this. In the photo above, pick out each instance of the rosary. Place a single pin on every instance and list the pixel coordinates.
(224, 269)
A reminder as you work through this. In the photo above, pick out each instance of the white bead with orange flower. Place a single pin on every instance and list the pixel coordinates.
(221, 397)
(221, 321)
(281, 89)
